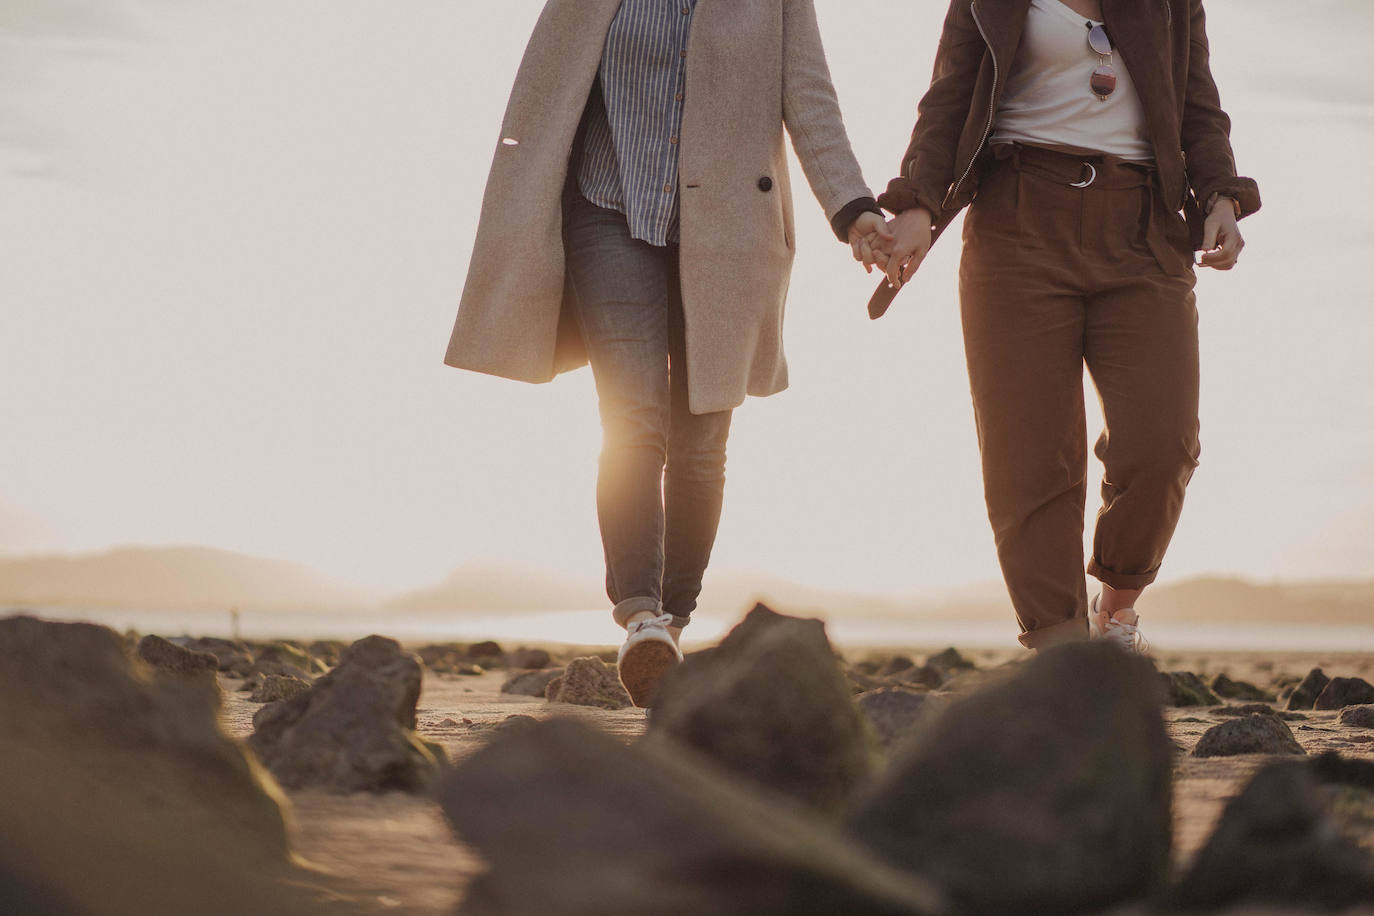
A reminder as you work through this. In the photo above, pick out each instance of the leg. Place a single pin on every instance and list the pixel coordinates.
(1023, 336)
(694, 484)
(621, 288)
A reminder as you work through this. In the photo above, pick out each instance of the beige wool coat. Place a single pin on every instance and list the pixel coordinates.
(753, 67)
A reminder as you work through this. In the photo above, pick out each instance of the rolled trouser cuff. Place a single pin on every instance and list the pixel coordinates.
(1128, 581)
(626, 609)
(1074, 629)
(680, 622)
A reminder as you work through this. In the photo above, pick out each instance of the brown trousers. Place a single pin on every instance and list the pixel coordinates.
(1054, 277)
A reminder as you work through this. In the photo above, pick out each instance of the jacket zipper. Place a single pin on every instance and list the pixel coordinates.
(973, 8)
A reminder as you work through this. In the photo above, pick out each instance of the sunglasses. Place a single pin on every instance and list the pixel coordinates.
(1103, 79)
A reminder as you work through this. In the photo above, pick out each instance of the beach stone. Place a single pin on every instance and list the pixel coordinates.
(488, 651)
(327, 651)
(354, 729)
(1277, 844)
(120, 795)
(531, 683)
(949, 661)
(570, 820)
(1254, 734)
(588, 682)
(893, 712)
(927, 676)
(1002, 796)
(1345, 691)
(529, 658)
(283, 658)
(167, 657)
(234, 657)
(1359, 716)
(772, 705)
(275, 687)
(1229, 689)
(1261, 709)
(1304, 696)
(1184, 688)
(895, 664)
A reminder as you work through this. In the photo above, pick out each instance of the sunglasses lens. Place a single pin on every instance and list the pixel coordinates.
(1103, 81)
(1098, 40)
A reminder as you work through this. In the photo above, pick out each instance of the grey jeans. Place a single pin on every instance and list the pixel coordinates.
(661, 477)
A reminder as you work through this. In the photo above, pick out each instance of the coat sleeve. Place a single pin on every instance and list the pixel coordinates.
(928, 165)
(811, 112)
(1206, 130)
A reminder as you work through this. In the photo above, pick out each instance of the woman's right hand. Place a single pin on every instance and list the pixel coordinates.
(911, 230)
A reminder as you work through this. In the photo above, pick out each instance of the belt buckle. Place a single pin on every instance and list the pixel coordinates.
(1090, 171)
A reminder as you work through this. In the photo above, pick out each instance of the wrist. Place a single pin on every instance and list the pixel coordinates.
(1218, 198)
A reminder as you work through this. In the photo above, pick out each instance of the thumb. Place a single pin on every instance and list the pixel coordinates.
(885, 231)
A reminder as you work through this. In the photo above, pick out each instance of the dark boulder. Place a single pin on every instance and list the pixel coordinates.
(166, 657)
(949, 661)
(286, 659)
(529, 658)
(486, 653)
(1229, 689)
(1254, 734)
(895, 664)
(572, 821)
(531, 683)
(354, 729)
(1184, 688)
(274, 687)
(1306, 693)
(1004, 795)
(1345, 691)
(1358, 716)
(1277, 844)
(588, 682)
(235, 659)
(894, 712)
(770, 704)
(1261, 709)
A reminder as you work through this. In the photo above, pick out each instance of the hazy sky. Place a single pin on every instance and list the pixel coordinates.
(233, 235)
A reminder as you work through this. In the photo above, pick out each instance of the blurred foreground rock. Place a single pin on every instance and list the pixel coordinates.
(119, 794)
(169, 658)
(894, 712)
(771, 704)
(354, 729)
(1005, 796)
(573, 822)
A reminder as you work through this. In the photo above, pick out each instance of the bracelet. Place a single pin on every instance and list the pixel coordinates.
(1217, 196)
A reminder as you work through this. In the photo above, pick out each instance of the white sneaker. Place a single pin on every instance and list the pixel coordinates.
(649, 653)
(1126, 636)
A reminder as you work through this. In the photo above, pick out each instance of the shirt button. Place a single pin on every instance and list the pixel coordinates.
(683, 53)
(686, 11)
(765, 184)
(678, 97)
(672, 140)
(667, 189)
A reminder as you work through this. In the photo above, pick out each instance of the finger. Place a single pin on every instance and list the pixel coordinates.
(1209, 234)
(894, 270)
(885, 231)
(855, 246)
(867, 251)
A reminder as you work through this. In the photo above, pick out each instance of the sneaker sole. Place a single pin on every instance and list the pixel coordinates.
(643, 667)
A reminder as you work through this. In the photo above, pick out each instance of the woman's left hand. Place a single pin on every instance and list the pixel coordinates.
(1221, 238)
(870, 239)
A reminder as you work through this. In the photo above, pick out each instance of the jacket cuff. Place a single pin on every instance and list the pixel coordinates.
(1243, 191)
(902, 195)
(841, 221)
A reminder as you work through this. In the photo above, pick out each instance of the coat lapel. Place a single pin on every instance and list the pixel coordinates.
(1002, 22)
(1140, 35)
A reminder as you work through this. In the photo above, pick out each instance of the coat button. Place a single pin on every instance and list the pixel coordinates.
(765, 184)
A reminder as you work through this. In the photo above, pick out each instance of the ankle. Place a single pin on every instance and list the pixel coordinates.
(638, 616)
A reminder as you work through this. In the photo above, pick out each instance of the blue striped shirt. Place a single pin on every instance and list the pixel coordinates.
(630, 148)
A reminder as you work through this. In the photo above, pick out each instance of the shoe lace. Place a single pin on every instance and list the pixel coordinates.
(1125, 635)
(662, 620)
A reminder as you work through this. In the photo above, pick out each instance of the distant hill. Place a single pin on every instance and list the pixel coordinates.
(489, 589)
(167, 578)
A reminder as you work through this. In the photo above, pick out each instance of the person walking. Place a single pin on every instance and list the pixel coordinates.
(638, 215)
(1090, 140)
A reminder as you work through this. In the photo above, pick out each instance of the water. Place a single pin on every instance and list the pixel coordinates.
(594, 627)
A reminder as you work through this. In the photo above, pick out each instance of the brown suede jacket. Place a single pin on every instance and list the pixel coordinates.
(1164, 45)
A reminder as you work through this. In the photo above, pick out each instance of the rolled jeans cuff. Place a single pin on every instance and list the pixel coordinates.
(1073, 630)
(626, 609)
(1128, 581)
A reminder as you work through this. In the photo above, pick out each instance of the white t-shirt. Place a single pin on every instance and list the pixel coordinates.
(1048, 101)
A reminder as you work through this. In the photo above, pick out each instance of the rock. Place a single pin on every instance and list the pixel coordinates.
(772, 705)
(169, 658)
(1359, 716)
(234, 657)
(1187, 689)
(928, 676)
(531, 683)
(275, 687)
(1276, 844)
(588, 682)
(893, 712)
(950, 660)
(1255, 734)
(860, 682)
(327, 651)
(1223, 686)
(466, 670)
(529, 658)
(354, 729)
(571, 821)
(895, 664)
(1345, 691)
(1261, 709)
(286, 659)
(120, 795)
(1004, 795)
(516, 723)
(1306, 693)
(489, 651)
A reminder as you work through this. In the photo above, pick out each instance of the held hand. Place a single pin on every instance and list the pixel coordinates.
(1221, 239)
(870, 240)
(911, 229)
